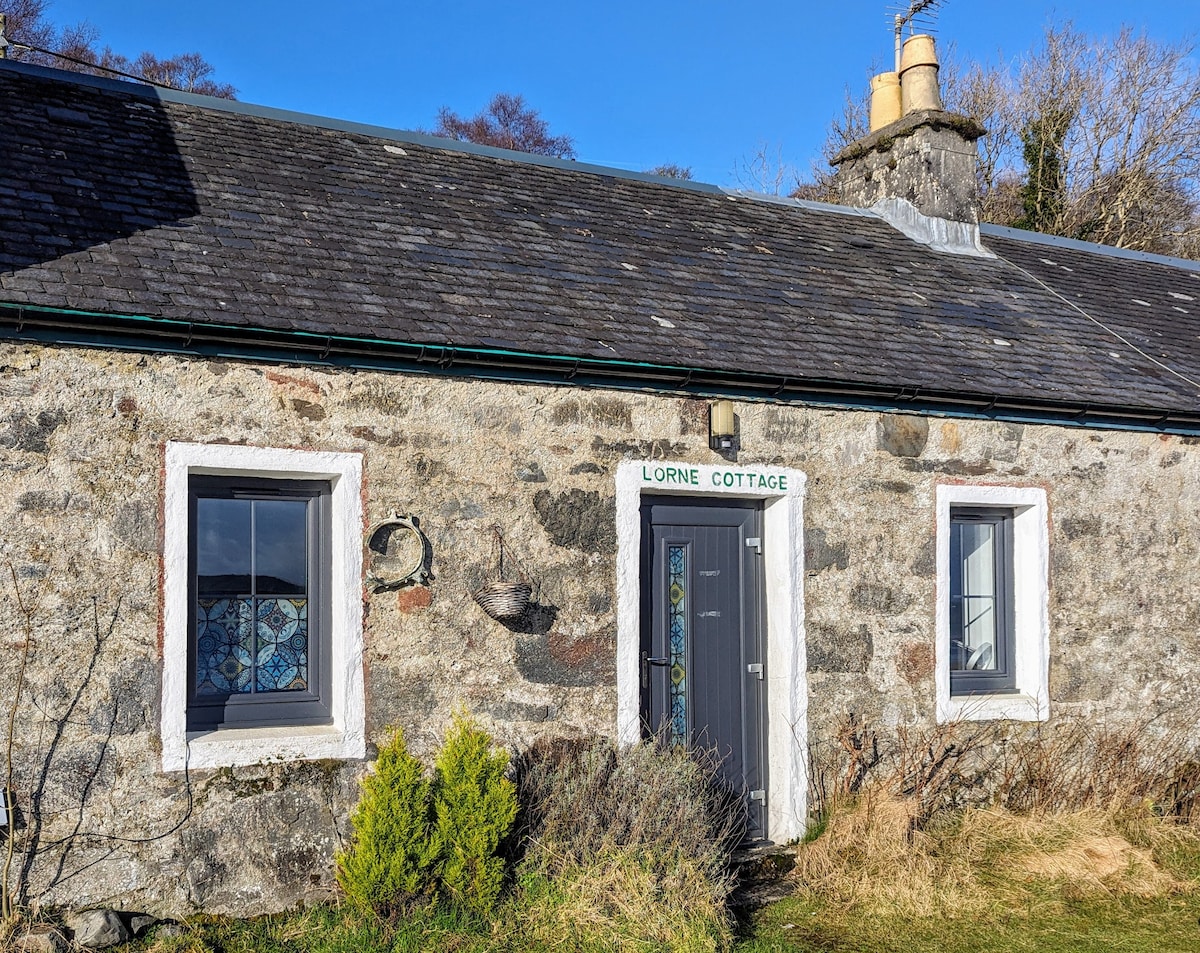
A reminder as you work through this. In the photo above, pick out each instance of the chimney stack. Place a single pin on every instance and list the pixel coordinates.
(916, 167)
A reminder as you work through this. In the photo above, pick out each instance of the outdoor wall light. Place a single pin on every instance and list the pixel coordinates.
(721, 425)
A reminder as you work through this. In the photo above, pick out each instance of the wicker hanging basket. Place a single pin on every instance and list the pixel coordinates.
(504, 598)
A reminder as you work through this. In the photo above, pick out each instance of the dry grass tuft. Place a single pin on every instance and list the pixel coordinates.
(1101, 863)
(871, 857)
(957, 820)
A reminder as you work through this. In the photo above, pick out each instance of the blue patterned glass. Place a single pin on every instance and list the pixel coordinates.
(677, 633)
(223, 641)
(252, 632)
(282, 649)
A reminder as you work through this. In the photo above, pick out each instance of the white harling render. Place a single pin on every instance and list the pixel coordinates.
(227, 747)
(1031, 592)
(782, 492)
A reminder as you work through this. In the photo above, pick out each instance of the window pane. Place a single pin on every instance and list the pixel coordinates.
(252, 598)
(282, 645)
(280, 547)
(223, 645)
(223, 546)
(973, 597)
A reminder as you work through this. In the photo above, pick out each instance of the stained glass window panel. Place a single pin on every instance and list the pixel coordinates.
(223, 646)
(677, 634)
(281, 663)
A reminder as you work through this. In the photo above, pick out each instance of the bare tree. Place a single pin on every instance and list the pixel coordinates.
(670, 170)
(35, 39)
(507, 123)
(27, 22)
(766, 171)
(849, 127)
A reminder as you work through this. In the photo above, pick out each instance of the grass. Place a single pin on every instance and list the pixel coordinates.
(336, 929)
(1046, 923)
(977, 881)
(989, 880)
(1070, 840)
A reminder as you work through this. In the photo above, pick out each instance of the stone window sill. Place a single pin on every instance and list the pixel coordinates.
(1010, 706)
(235, 747)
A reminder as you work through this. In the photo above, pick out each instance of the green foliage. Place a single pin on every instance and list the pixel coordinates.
(475, 806)
(1044, 922)
(1043, 195)
(389, 865)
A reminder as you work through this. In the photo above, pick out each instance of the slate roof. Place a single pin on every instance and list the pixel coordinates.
(118, 200)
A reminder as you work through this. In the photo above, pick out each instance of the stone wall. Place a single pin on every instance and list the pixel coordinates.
(82, 436)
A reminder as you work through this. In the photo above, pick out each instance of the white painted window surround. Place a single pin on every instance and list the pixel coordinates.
(228, 747)
(786, 665)
(1031, 626)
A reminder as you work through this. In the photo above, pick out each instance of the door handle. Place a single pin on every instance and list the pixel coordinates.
(647, 661)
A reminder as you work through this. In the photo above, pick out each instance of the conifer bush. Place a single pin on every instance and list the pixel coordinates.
(474, 807)
(390, 865)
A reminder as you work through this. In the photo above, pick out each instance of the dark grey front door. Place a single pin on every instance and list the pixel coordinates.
(702, 659)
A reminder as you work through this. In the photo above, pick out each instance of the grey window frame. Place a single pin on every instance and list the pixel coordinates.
(1004, 678)
(268, 709)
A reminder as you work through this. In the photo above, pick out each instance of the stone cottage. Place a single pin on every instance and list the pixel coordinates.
(279, 393)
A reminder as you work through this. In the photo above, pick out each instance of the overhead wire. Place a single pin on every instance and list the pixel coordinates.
(1100, 324)
(93, 66)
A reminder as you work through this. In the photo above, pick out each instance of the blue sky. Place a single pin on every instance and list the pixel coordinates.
(703, 84)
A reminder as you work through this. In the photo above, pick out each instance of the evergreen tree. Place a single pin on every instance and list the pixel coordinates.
(475, 806)
(390, 863)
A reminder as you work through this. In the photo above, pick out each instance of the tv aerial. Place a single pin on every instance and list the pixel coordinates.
(918, 12)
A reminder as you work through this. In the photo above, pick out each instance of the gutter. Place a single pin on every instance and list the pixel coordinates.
(213, 341)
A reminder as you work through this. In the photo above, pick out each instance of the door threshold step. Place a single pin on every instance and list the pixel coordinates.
(762, 874)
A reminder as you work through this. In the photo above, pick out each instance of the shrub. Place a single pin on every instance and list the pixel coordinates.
(962, 820)
(626, 849)
(390, 863)
(1070, 764)
(585, 800)
(474, 805)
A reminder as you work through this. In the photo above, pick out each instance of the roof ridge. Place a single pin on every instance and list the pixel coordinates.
(1058, 241)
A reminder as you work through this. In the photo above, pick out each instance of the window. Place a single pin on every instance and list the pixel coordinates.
(262, 606)
(256, 655)
(981, 601)
(992, 616)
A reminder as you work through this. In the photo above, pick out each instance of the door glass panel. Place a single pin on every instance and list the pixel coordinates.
(677, 624)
